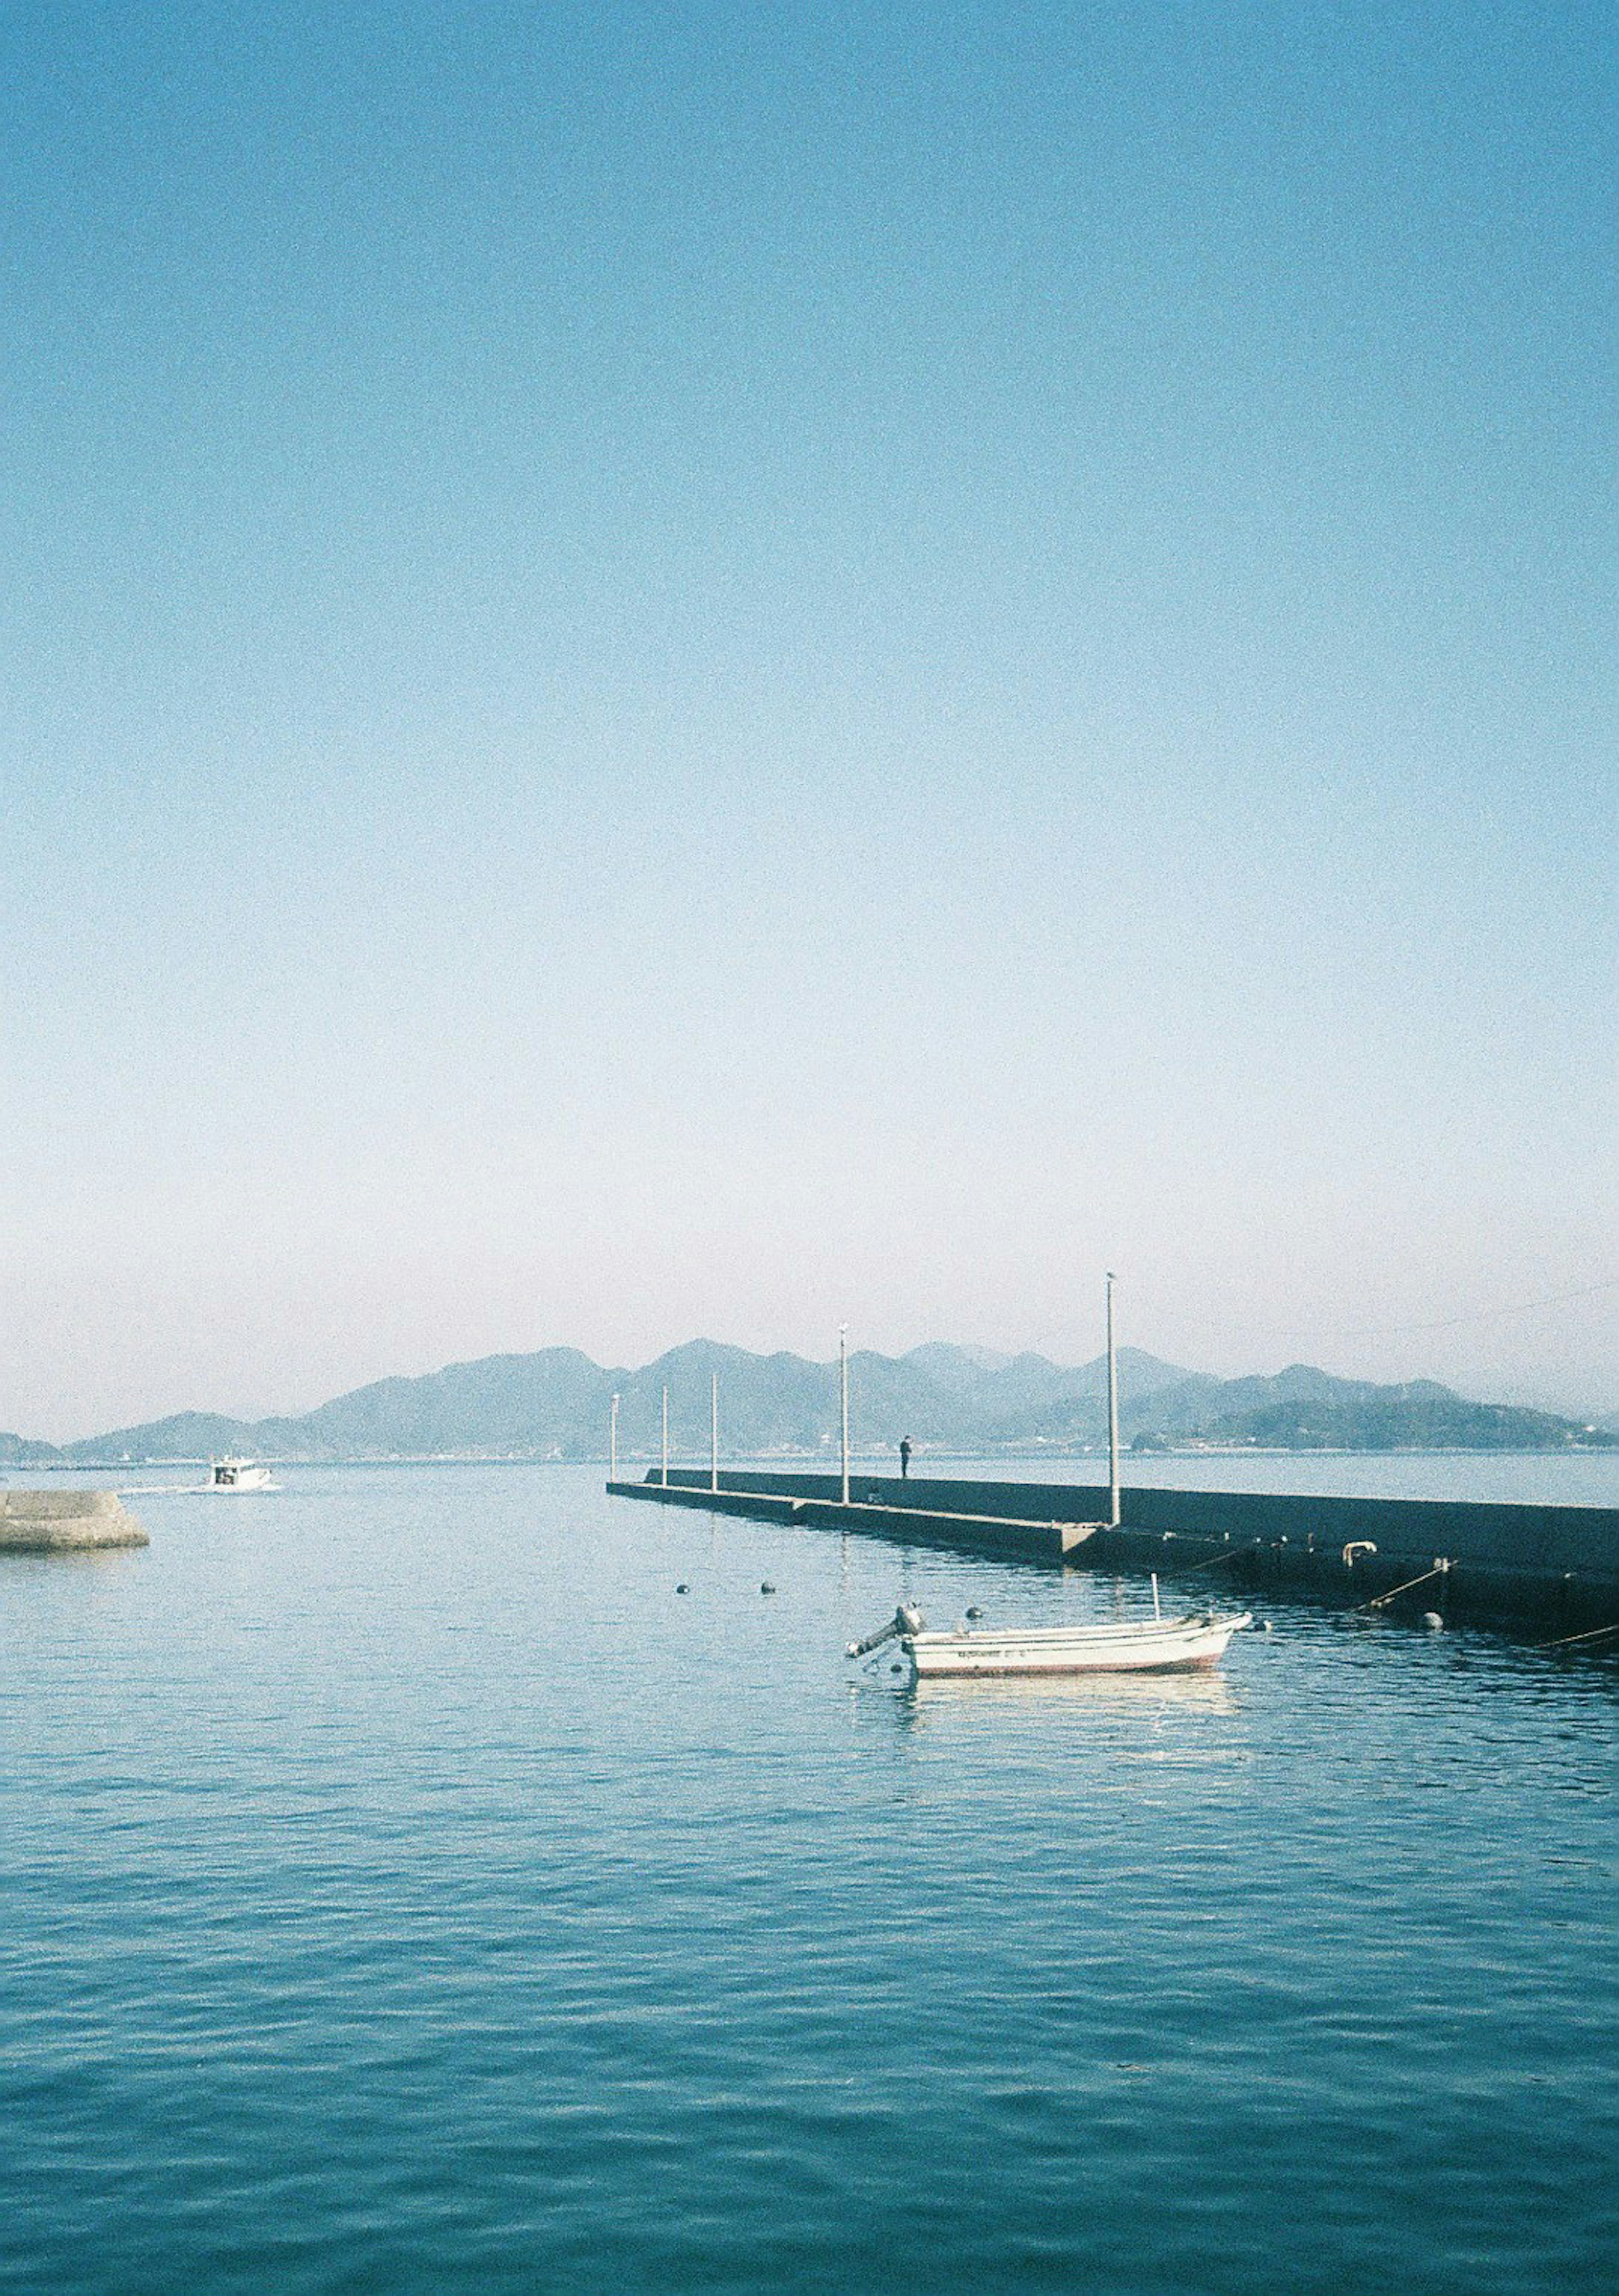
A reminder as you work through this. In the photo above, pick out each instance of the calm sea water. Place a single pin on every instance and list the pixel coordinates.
(402, 1889)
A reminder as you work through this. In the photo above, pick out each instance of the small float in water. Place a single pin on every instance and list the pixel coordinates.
(1155, 1645)
(238, 1475)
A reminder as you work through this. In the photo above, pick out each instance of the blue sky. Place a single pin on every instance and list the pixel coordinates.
(699, 669)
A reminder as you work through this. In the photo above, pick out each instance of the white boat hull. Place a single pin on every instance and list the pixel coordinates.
(1165, 1646)
(231, 1477)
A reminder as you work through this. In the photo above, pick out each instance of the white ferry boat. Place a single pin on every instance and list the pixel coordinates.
(238, 1475)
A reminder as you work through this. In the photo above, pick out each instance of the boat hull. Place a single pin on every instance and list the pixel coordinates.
(1175, 1646)
(233, 1478)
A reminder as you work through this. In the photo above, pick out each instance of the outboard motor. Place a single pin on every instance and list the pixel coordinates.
(906, 1621)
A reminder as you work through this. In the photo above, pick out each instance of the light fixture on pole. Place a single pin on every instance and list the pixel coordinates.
(713, 1431)
(612, 1442)
(843, 1390)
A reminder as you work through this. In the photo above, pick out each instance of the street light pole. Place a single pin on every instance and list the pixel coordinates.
(666, 1438)
(1112, 1414)
(612, 1442)
(842, 1389)
(713, 1431)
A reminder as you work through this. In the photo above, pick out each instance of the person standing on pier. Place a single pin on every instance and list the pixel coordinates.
(905, 1458)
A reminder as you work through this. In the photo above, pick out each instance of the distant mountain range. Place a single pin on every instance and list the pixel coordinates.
(555, 1404)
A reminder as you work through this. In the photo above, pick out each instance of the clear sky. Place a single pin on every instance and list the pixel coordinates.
(698, 668)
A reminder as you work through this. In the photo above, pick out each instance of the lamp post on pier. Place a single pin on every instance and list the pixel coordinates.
(843, 1393)
(666, 1438)
(713, 1431)
(1112, 1415)
(612, 1442)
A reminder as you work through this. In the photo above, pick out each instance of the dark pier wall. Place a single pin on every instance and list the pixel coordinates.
(1555, 1563)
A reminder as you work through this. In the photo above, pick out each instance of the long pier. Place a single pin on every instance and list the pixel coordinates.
(1554, 1566)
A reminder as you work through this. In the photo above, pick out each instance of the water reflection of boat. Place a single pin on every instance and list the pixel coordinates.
(238, 1475)
(1097, 1697)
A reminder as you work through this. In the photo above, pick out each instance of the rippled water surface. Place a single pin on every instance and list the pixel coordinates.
(403, 1889)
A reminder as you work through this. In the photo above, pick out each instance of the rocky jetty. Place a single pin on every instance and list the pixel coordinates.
(52, 1522)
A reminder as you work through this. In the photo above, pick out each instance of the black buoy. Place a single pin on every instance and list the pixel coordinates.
(973, 1611)
(765, 1587)
(682, 1588)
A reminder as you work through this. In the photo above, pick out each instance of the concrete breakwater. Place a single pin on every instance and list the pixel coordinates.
(53, 1522)
(1554, 1566)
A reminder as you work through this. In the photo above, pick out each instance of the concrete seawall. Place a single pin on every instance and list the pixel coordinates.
(59, 1522)
(1555, 1565)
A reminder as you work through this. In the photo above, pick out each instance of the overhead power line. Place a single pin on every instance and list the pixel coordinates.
(1397, 1331)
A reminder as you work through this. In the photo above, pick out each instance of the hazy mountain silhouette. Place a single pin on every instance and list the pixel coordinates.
(18, 1451)
(555, 1404)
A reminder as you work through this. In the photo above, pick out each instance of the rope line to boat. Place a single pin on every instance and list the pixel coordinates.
(1439, 1570)
(1214, 1561)
(1591, 1635)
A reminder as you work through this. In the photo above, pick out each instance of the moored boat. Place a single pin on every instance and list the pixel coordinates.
(1155, 1645)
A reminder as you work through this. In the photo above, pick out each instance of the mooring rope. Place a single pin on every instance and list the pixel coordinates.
(1212, 1562)
(1438, 1571)
(1591, 1635)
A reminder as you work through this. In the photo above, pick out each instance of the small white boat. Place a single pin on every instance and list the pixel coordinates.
(238, 1475)
(1153, 1646)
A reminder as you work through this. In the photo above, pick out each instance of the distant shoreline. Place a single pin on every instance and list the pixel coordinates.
(1136, 1462)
